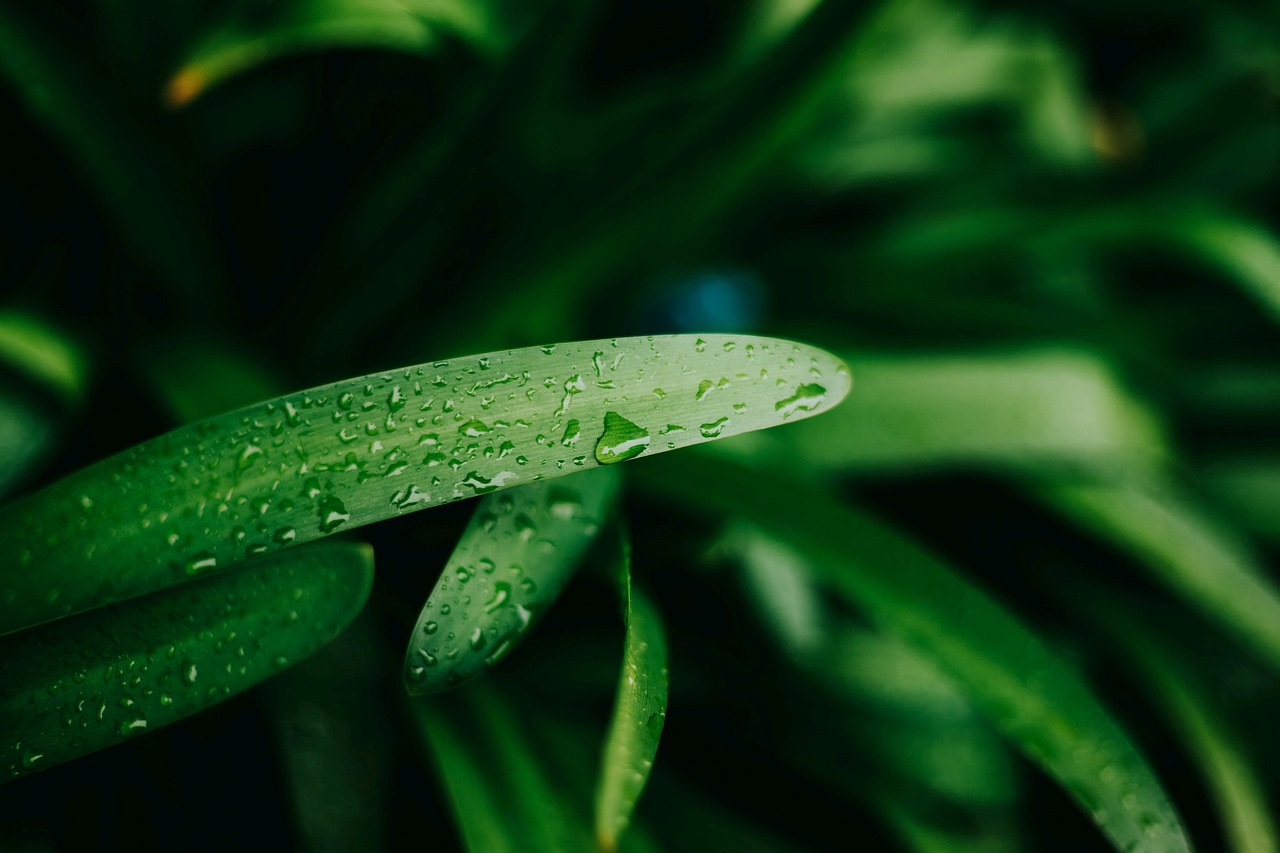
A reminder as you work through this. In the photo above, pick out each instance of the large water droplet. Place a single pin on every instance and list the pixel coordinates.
(806, 399)
(712, 430)
(621, 440)
(333, 513)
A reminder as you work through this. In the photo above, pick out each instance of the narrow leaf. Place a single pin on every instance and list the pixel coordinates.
(502, 796)
(1184, 550)
(1249, 488)
(246, 41)
(303, 466)
(1030, 696)
(639, 710)
(520, 549)
(1233, 781)
(83, 684)
(37, 349)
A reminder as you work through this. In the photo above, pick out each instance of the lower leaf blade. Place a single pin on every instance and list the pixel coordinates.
(79, 685)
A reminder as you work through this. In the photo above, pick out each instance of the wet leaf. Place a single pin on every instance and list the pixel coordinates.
(83, 684)
(303, 466)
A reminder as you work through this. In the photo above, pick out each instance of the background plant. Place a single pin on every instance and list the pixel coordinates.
(1016, 593)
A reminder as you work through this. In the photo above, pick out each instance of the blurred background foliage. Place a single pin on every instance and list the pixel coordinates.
(1041, 235)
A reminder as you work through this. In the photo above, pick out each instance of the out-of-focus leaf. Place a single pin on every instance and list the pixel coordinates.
(1234, 782)
(254, 35)
(520, 549)
(43, 358)
(1184, 550)
(33, 347)
(1250, 489)
(83, 684)
(199, 377)
(1037, 411)
(639, 710)
(1034, 699)
(780, 586)
(303, 466)
(502, 797)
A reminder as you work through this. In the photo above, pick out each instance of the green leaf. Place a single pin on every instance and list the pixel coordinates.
(82, 684)
(294, 469)
(1029, 695)
(502, 796)
(41, 351)
(1234, 783)
(1249, 488)
(1038, 411)
(1184, 550)
(639, 710)
(253, 37)
(511, 563)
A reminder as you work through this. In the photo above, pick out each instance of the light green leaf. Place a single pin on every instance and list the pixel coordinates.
(294, 469)
(639, 710)
(253, 37)
(502, 796)
(520, 549)
(1184, 550)
(1036, 410)
(83, 684)
(39, 350)
(1033, 698)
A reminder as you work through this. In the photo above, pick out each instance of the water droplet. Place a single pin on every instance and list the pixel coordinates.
(333, 513)
(31, 757)
(501, 592)
(285, 535)
(474, 428)
(201, 562)
(699, 345)
(572, 432)
(430, 628)
(189, 672)
(713, 429)
(248, 456)
(134, 725)
(478, 640)
(417, 672)
(621, 440)
(805, 399)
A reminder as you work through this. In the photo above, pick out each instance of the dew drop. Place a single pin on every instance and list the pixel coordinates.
(621, 440)
(805, 399)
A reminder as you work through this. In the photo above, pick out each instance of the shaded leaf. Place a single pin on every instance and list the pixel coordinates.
(1181, 548)
(1029, 695)
(639, 712)
(82, 684)
(519, 550)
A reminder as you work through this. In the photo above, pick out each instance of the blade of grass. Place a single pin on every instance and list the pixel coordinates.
(87, 683)
(38, 349)
(303, 466)
(1035, 700)
(502, 797)
(1184, 550)
(519, 551)
(1233, 780)
(249, 39)
(639, 710)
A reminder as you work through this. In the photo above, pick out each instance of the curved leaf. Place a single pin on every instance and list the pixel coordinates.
(638, 714)
(305, 465)
(1030, 696)
(246, 41)
(502, 796)
(520, 549)
(1185, 551)
(83, 684)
